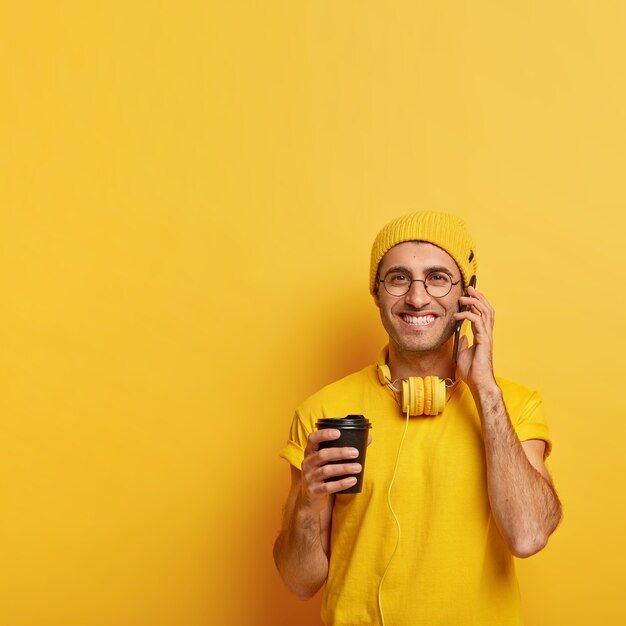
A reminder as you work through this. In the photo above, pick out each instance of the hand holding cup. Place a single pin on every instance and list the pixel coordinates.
(354, 434)
(328, 466)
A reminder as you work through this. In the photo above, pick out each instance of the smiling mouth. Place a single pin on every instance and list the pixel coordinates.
(417, 320)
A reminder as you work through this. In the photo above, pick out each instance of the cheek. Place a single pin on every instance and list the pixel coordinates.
(455, 304)
(451, 306)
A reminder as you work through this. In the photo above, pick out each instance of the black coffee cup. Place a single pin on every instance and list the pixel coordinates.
(354, 431)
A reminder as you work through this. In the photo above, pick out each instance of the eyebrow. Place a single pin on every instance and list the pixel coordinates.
(427, 270)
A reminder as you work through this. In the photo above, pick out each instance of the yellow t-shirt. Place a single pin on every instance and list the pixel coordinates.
(452, 566)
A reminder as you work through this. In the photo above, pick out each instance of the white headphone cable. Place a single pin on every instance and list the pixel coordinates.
(395, 517)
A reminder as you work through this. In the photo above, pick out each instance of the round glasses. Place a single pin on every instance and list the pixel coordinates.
(437, 284)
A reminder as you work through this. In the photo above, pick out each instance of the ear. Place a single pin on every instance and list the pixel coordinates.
(375, 295)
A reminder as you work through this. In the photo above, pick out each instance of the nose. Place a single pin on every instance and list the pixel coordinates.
(417, 296)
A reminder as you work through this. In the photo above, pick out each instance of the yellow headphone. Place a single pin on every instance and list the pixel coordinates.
(419, 396)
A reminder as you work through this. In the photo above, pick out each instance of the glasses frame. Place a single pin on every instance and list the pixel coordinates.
(418, 280)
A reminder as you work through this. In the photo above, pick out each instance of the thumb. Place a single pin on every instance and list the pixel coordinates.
(463, 344)
(461, 366)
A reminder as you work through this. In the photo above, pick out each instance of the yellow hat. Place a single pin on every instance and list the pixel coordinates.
(444, 230)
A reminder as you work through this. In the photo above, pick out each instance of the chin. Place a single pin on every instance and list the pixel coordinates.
(424, 346)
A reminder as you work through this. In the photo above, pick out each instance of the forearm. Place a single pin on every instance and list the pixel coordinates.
(524, 503)
(299, 552)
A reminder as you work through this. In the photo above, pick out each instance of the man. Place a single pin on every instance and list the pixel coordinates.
(447, 499)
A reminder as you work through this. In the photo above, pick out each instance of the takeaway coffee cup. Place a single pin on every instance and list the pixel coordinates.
(354, 431)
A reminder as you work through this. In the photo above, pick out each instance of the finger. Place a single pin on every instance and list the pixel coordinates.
(318, 436)
(472, 306)
(469, 303)
(332, 470)
(463, 344)
(326, 455)
(333, 486)
(474, 292)
(313, 459)
(473, 317)
(325, 479)
(475, 303)
(480, 325)
(485, 304)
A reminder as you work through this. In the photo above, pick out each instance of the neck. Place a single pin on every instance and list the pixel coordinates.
(438, 362)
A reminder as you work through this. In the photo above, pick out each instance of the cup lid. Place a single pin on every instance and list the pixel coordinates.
(349, 421)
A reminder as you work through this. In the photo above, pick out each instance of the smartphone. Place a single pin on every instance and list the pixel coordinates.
(457, 328)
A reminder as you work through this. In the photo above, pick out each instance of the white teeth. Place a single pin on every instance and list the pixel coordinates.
(420, 321)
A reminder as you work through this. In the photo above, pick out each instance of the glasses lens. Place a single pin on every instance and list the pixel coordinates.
(438, 284)
(397, 283)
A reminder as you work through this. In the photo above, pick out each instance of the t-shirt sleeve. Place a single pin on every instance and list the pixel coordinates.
(296, 443)
(530, 422)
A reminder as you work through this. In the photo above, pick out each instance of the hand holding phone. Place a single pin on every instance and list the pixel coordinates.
(457, 328)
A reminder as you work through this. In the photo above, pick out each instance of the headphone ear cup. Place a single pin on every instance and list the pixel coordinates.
(418, 384)
(413, 395)
(428, 395)
(420, 396)
(384, 374)
(439, 395)
(407, 396)
(423, 396)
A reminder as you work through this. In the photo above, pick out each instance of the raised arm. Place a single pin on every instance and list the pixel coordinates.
(524, 503)
(302, 548)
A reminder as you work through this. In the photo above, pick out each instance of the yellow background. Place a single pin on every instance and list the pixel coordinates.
(188, 194)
